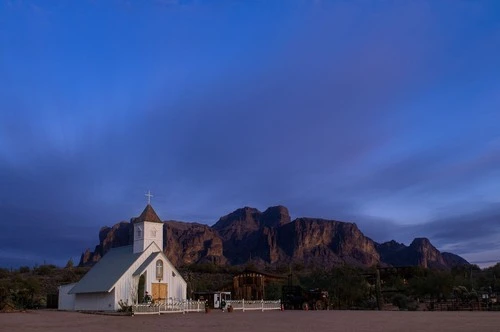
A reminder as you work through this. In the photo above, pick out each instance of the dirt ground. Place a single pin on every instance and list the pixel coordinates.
(271, 321)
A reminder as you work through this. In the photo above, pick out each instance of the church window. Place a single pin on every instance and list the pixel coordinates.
(159, 269)
(153, 232)
(139, 232)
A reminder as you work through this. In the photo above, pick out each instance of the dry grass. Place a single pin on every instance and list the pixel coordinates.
(372, 321)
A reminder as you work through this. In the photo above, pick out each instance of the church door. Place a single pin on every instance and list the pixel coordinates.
(160, 292)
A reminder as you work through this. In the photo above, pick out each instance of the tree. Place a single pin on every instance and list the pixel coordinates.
(272, 291)
(70, 264)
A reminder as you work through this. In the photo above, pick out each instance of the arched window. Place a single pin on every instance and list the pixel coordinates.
(159, 269)
(139, 232)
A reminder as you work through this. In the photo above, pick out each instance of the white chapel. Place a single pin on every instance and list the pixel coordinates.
(127, 273)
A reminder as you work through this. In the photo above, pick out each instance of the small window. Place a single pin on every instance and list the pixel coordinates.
(139, 232)
(153, 232)
(159, 269)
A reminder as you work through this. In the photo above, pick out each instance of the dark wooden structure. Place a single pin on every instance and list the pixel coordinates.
(250, 284)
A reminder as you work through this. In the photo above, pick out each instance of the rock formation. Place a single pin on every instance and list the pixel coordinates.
(272, 238)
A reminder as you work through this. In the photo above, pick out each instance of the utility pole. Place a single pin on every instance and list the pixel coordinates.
(378, 290)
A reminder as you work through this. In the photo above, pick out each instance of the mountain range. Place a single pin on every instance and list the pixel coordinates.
(271, 238)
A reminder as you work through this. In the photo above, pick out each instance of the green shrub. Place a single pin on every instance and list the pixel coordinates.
(24, 269)
(400, 301)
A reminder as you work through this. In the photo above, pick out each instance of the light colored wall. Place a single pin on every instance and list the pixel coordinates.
(176, 285)
(66, 301)
(126, 287)
(96, 301)
(140, 244)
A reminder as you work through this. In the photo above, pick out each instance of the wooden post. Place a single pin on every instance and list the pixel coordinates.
(378, 291)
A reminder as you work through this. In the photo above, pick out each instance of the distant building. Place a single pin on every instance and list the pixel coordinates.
(126, 273)
(250, 284)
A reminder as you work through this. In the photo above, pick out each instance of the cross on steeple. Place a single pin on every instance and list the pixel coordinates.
(148, 195)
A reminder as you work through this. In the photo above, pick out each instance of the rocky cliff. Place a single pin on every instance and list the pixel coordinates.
(183, 243)
(272, 238)
(249, 234)
(419, 253)
(189, 243)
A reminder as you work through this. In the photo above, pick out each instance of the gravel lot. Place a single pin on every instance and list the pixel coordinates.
(373, 321)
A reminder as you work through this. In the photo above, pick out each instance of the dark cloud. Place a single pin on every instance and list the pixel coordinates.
(465, 225)
(312, 111)
(438, 169)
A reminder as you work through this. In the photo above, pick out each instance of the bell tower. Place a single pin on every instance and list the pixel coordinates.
(148, 228)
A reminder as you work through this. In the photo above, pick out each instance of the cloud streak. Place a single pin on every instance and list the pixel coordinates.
(338, 111)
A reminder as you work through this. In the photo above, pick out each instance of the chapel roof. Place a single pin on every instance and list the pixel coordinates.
(146, 263)
(107, 271)
(148, 214)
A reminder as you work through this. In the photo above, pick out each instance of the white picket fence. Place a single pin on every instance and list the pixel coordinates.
(262, 305)
(169, 306)
(179, 306)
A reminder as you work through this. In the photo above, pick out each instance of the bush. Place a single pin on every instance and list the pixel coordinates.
(24, 269)
(45, 270)
(124, 306)
(369, 303)
(400, 301)
(4, 296)
(4, 273)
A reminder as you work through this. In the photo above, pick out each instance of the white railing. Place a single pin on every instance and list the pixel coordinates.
(194, 306)
(182, 306)
(138, 309)
(254, 305)
(172, 306)
(169, 306)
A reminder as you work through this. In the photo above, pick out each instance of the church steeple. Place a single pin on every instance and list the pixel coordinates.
(148, 214)
(148, 228)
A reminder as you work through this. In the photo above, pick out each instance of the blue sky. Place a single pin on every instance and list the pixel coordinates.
(385, 113)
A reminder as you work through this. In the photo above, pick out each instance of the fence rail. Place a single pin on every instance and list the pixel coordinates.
(169, 306)
(254, 305)
(180, 306)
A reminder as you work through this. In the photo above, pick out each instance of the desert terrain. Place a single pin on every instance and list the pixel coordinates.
(272, 321)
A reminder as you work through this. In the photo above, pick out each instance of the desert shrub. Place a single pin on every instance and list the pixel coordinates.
(124, 306)
(4, 273)
(369, 303)
(69, 276)
(24, 269)
(203, 268)
(400, 301)
(45, 270)
(4, 296)
(272, 291)
(24, 293)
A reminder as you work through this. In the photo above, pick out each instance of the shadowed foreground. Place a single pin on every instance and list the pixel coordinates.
(372, 321)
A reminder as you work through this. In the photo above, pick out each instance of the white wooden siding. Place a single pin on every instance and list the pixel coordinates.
(125, 289)
(127, 284)
(96, 301)
(66, 301)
